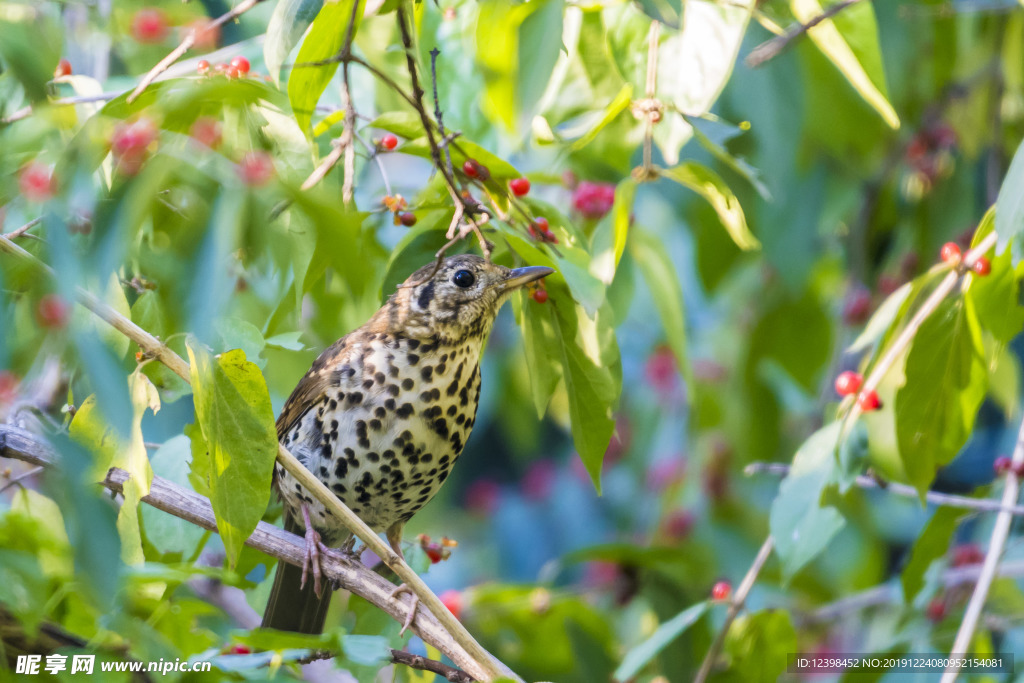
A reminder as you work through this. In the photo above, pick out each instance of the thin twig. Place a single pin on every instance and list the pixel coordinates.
(18, 232)
(773, 47)
(866, 482)
(374, 156)
(652, 113)
(449, 673)
(437, 112)
(480, 662)
(173, 499)
(20, 478)
(187, 43)
(891, 592)
(735, 605)
(1000, 531)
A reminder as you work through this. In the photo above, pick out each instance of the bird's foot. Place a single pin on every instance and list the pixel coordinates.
(311, 563)
(412, 606)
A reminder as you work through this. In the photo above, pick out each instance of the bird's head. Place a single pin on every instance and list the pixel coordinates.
(458, 299)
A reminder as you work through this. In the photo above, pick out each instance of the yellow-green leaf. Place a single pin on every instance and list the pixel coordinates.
(710, 185)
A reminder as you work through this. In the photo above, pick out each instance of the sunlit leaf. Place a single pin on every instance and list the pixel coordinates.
(637, 658)
(289, 21)
(711, 187)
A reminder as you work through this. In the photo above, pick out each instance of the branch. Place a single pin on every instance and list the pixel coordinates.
(653, 112)
(866, 482)
(417, 662)
(1000, 531)
(890, 592)
(773, 47)
(735, 605)
(479, 663)
(186, 44)
(167, 496)
(18, 232)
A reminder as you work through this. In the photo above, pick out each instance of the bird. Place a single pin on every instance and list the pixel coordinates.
(383, 414)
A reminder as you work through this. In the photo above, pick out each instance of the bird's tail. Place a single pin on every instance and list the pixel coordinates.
(289, 607)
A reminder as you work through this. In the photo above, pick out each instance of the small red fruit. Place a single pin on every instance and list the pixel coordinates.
(149, 25)
(452, 599)
(869, 401)
(470, 168)
(848, 383)
(593, 200)
(242, 64)
(950, 252)
(240, 650)
(540, 295)
(256, 168)
(520, 186)
(203, 67)
(1002, 465)
(721, 590)
(936, 609)
(53, 312)
(36, 182)
(232, 71)
(433, 552)
(130, 144)
(857, 306)
(407, 218)
(982, 266)
(63, 68)
(389, 141)
(206, 131)
(967, 553)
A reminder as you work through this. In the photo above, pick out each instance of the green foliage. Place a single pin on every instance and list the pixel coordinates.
(638, 657)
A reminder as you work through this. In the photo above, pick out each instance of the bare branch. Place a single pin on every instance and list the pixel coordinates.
(1000, 532)
(736, 603)
(775, 46)
(866, 482)
(18, 232)
(417, 662)
(187, 43)
(14, 481)
(167, 496)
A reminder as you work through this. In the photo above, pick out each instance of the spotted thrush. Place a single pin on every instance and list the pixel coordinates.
(383, 414)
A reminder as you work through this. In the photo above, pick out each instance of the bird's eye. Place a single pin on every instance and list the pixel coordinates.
(463, 279)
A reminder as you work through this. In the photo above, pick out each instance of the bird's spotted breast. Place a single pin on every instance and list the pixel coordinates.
(385, 442)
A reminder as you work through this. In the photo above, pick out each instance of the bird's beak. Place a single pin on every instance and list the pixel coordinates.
(525, 275)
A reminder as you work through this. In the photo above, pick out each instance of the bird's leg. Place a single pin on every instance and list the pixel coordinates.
(395, 541)
(313, 547)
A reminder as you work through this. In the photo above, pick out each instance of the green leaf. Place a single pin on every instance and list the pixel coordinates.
(850, 41)
(497, 27)
(324, 41)
(134, 460)
(759, 645)
(663, 282)
(711, 187)
(540, 344)
(618, 105)
(170, 534)
(405, 124)
(233, 408)
(882, 319)
(996, 298)
(1010, 207)
(930, 545)
(289, 21)
(612, 231)
(540, 42)
(946, 380)
(801, 526)
(637, 658)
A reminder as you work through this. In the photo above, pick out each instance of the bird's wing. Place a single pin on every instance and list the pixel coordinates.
(331, 370)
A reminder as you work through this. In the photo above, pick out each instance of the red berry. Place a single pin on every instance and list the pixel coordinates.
(593, 200)
(240, 650)
(936, 609)
(8, 387)
(982, 266)
(389, 141)
(868, 401)
(130, 144)
(256, 168)
(433, 552)
(206, 131)
(857, 306)
(848, 383)
(679, 524)
(950, 252)
(232, 71)
(967, 553)
(149, 25)
(520, 186)
(241, 63)
(53, 312)
(452, 599)
(203, 67)
(541, 230)
(1002, 465)
(407, 218)
(721, 590)
(540, 295)
(36, 182)
(471, 168)
(63, 68)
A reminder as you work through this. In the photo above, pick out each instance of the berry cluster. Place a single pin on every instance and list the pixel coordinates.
(540, 229)
(396, 205)
(474, 169)
(131, 143)
(1004, 465)
(849, 383)
(52, 312)
(237, 68)
(437, 551)
(593, 200)
(950, 253)
(256, 168)
(36, 182)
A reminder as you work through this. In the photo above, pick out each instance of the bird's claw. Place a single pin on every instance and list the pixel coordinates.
(314, 546)
(412, 606)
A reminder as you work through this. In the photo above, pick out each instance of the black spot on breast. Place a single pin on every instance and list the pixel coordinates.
(426, 373)
(379, 412)
(338, 488)
(355, 398)
(414, 343)
(412, 358)
(367, 383)
(376, 425)
(341, 469)
(367, 479)
(379, 378)
(393, 389)
(453, 387)
(372, 456)
(451, 410)
(426, 458)
(441, 368)
(405, 411)
(389, 404)
(441, 427)
(323, 471)
(392, 370)
(407, 383)
(426, 294)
